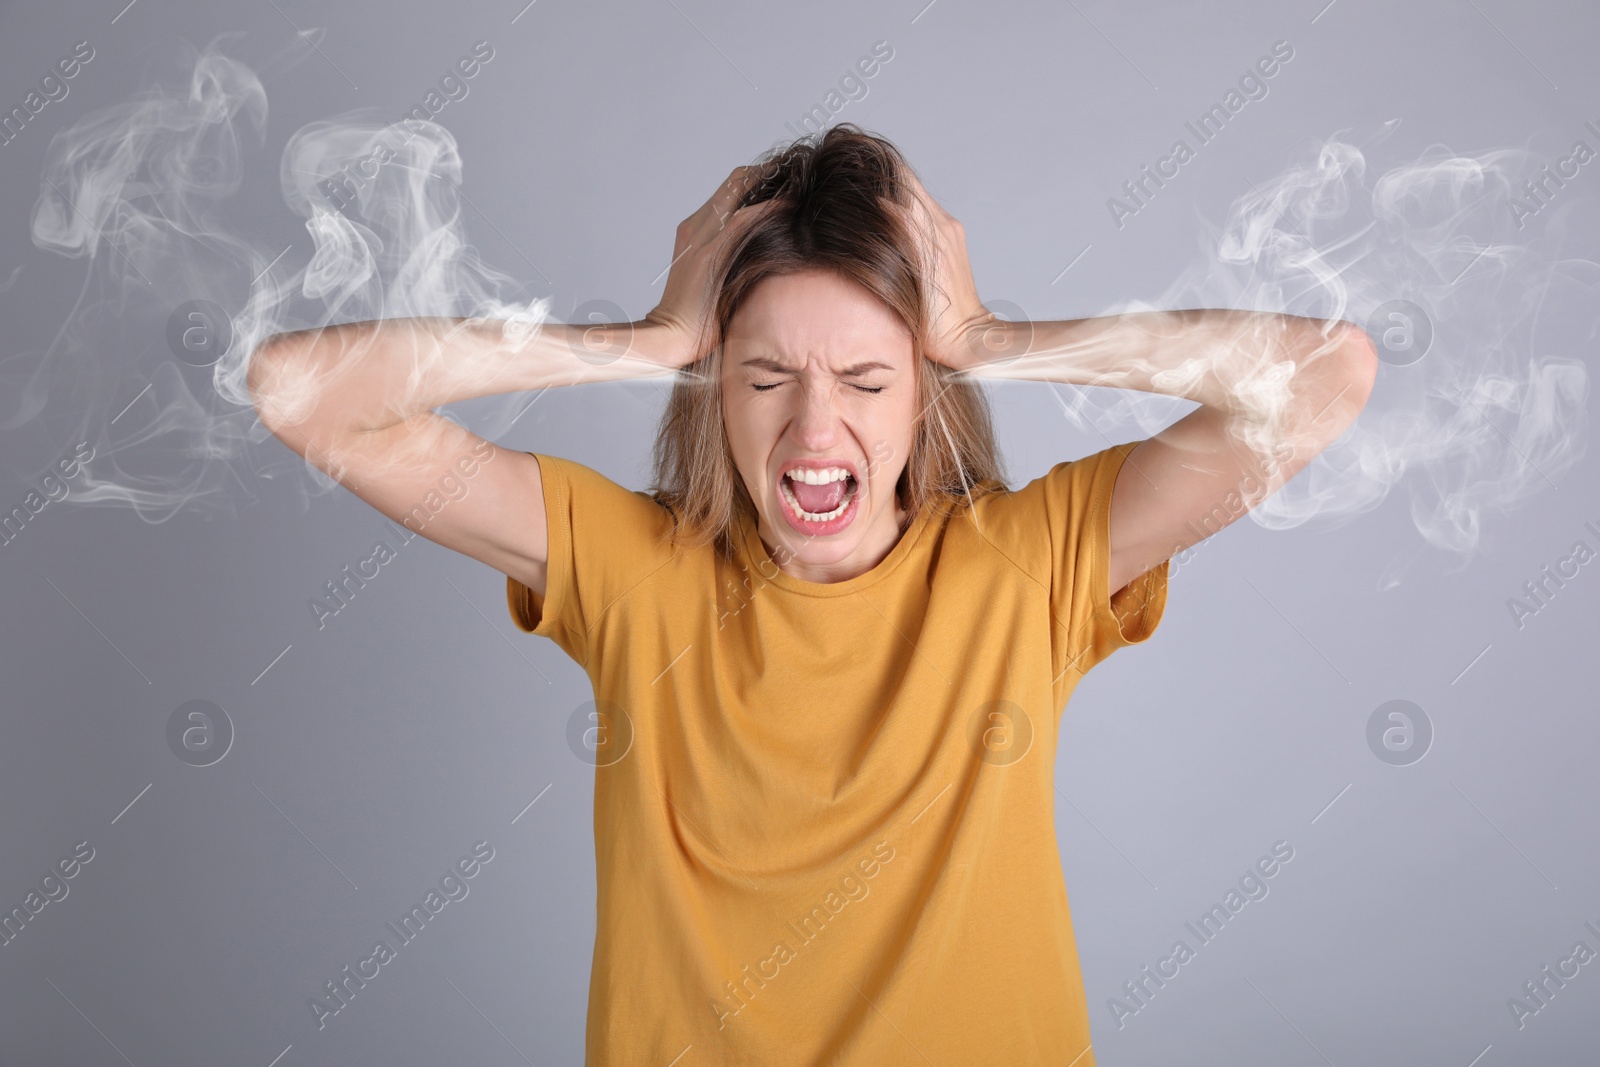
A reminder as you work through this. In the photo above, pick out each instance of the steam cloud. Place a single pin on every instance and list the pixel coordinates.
(139, 189)
(1491, 415)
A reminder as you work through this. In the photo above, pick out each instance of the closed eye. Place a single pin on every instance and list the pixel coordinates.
(865, 389)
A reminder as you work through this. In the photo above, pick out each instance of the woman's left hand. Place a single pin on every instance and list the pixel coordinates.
(963, 333)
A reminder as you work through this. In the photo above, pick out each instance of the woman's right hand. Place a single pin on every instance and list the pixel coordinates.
(682, 322)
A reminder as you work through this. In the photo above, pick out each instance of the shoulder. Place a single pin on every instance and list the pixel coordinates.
(583, 486)
(991, 520)
(605, 543)
(601, 523)
(1067, 486)
(1034, 523)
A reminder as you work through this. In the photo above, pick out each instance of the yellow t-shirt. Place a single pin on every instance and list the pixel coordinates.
(824, 814)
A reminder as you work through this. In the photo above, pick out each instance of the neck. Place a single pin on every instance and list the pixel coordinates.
(874, 548)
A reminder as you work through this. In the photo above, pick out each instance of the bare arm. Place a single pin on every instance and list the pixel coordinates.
(1274, 391)
(357, 400)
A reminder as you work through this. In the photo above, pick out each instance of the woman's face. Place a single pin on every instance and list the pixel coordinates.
(818, 378)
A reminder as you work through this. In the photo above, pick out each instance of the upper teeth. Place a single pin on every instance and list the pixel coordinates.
(817, 477)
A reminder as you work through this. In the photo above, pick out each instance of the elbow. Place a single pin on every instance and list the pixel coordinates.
(258, 377)
(270, 384)
(1340, 377)
(1361, 355)
(1354, 356)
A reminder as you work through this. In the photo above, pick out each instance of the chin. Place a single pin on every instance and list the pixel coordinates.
(840, 528)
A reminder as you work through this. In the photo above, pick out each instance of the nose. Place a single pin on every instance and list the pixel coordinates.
(816, 423)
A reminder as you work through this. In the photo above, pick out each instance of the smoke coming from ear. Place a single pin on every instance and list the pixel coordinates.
(1478, 317)
(1480, 314)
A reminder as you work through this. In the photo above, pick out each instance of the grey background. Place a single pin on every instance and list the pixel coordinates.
(374, 752)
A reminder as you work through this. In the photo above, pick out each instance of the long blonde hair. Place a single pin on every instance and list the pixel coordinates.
(831, 189)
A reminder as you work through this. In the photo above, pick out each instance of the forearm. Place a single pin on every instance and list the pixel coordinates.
(367, 376)
(1266, 371)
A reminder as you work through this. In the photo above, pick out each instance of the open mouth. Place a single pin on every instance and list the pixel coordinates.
(818, 496)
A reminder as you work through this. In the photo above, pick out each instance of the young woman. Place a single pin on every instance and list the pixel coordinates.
(830, 650)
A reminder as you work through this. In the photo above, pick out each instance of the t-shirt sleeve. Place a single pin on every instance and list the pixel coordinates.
(603, 540)
(1088, 623)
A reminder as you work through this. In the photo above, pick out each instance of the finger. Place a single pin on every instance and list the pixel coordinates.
(918, 191)
(738, 180)
(920, 223)
(742, 217)
(935, 209)
(906, 213)
(730, 196)
(726, 195)
(737, 186)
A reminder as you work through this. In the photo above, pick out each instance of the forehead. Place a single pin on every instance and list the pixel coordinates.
(816, 318)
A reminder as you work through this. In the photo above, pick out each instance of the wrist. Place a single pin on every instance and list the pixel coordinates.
(990, 341)
(610, 350)
(659, 342)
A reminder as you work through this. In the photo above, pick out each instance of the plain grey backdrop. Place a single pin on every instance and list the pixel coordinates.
(367, 756)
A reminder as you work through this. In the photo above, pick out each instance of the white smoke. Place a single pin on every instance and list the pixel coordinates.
(139, 190)
(1494, 410)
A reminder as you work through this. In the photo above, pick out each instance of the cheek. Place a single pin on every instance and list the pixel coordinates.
(898, 426)
(744, 422)
(748, 440)
(885, 436)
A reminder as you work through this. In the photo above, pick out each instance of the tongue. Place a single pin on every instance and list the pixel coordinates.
(818, 499)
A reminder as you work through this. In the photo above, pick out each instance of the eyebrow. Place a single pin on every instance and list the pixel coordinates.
(852, 371)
